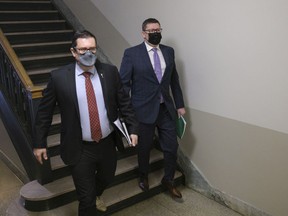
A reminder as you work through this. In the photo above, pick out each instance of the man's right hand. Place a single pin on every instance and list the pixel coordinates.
(39, 153)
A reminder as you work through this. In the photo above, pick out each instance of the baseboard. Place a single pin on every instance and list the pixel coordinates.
(196, 181)
(14, 168)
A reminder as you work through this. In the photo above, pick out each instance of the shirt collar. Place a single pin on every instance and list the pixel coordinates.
(149, 48)
(80, 71)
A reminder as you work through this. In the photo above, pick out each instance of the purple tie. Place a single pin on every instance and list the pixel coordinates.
(157, 65)
(157, 69)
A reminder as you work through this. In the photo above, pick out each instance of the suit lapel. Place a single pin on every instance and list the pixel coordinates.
(166, 58)
(102, 78)
(71, 84)
(147, 62)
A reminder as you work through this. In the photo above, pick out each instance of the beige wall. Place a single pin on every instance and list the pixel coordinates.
(243, 160)
(232, 59)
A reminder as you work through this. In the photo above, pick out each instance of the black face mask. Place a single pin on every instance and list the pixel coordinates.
(155, 38)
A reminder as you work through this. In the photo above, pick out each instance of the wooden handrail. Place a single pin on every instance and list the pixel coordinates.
(35, 91)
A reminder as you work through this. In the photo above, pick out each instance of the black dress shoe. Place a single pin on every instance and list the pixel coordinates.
(143, 184)
(171, 188)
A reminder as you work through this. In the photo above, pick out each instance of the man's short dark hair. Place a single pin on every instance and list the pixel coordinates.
(81, 34)
(148, 21)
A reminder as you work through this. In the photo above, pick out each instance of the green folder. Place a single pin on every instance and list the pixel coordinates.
(180, 126)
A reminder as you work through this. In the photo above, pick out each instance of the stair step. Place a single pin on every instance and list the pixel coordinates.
(38, 32)
(60, 170)
(25, 5)
(130, 188)
(123, 165)
(53, 144)
(24, 26)
(40, 44)
(40, 76)
(39, 36)
(34, 191)
(40, 71)
(33, 58)
(37, 196)
(36, 49)
(32, 22)
(40, 80)
(45, 61)
(53, 140)
(29, 15)
(27, 11)
(56, 119)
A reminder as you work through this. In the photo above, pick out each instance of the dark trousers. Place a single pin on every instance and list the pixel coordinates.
(93, 173)
(168, 142)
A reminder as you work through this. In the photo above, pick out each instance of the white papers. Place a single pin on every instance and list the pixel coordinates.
(122, 127)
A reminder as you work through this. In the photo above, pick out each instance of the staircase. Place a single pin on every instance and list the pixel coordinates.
(40, 36)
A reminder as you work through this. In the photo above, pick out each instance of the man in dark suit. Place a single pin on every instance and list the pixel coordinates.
(92, 160)
(151, 99)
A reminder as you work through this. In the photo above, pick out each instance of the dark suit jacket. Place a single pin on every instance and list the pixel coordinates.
(61, 89)
(137, 75)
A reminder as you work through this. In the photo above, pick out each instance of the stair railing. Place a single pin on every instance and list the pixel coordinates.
(23, 99)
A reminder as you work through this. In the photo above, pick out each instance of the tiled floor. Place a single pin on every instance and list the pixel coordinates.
(193, 203)
(9, 187)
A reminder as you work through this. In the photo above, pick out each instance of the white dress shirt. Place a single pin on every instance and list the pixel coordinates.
(106, 127)
(151, 53)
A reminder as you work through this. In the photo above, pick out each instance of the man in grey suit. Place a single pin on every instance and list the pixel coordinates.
(92, 159)
(148, 73)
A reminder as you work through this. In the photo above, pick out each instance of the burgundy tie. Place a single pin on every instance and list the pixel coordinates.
(96, 133)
